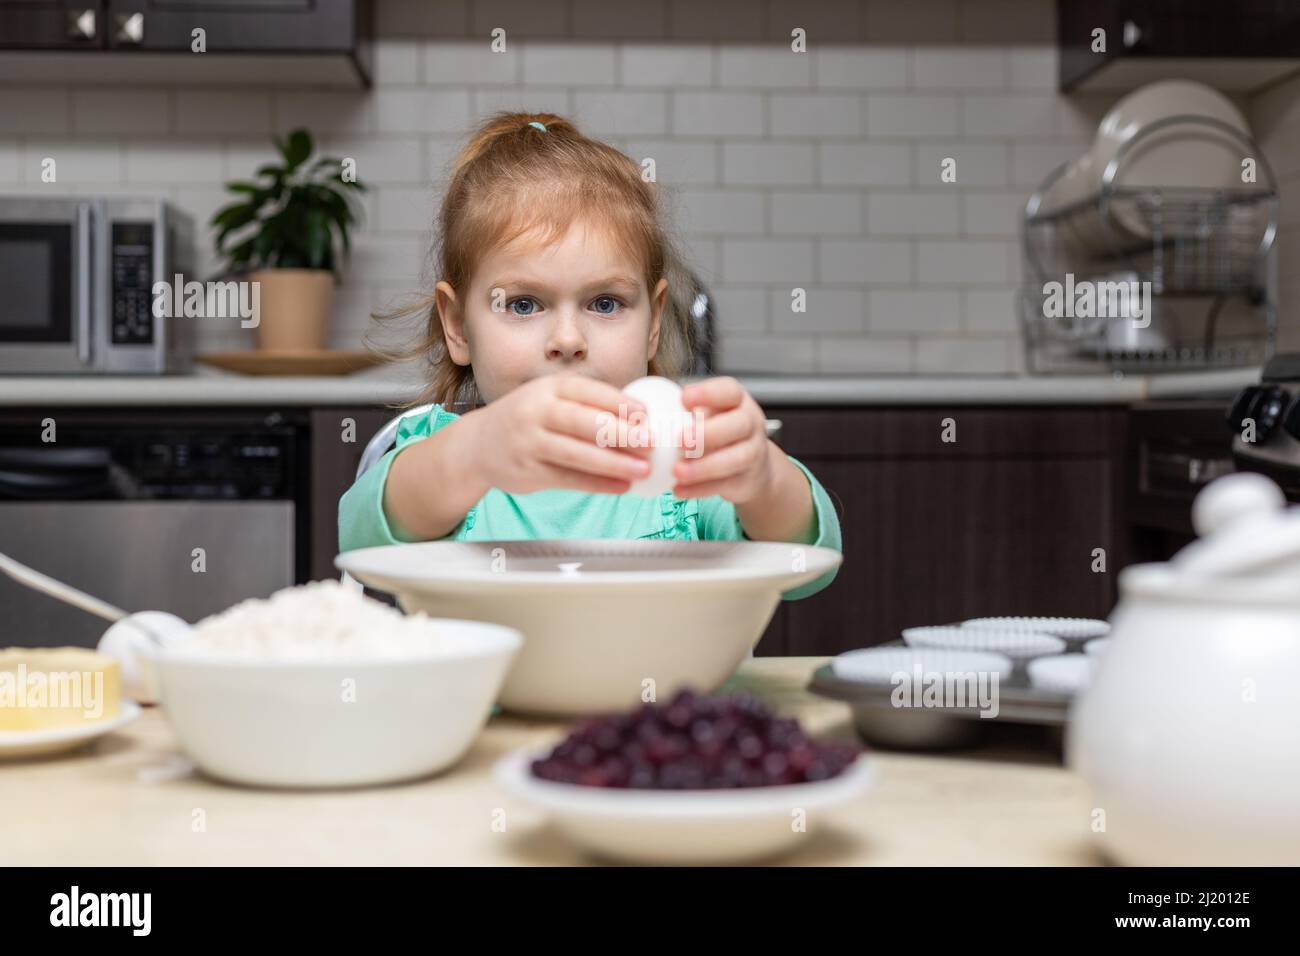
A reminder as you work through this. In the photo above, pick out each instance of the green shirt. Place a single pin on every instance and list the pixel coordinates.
(565, 513)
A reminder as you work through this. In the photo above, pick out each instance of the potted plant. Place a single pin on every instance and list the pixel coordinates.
(285, 232)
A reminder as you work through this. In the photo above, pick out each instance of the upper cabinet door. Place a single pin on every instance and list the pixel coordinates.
(306, 26)
(1117, 45)
(51, 24)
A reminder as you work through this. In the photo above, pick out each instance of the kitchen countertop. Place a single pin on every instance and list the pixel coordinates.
(132, 799)
(397, 386)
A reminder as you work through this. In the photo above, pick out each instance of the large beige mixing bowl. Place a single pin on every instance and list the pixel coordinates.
(605, 622)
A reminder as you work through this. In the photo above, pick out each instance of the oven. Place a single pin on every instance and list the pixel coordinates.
(186, 511)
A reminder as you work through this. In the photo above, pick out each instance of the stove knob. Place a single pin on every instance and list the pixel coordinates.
(1266, 409)
(1240, 407)
(1291, 424)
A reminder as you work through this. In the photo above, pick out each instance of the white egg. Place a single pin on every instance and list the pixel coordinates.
(132, 647)
(666, 420)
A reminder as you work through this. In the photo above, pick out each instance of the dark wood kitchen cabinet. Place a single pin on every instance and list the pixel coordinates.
(1175, 448)
(1148, 40)
(1005, 520)
(51, 25)
(308, 40)
(334, 460)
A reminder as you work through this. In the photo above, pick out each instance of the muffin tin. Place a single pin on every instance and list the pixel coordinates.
(882, 724)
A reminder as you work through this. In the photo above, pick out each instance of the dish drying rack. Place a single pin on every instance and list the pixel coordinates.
(1207, 253)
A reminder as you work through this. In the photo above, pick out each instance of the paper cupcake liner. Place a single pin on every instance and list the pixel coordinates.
(1019, 645)
(879, 665)
(1070, 628)
(1063, 674)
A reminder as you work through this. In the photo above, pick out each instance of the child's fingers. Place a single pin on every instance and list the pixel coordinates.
(597, 394)
(716, 465)
(703, 489)
(576, 455)
(718, 393)
(592, 425)
(719, 431)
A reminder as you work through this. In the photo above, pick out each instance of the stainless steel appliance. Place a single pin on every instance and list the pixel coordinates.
(76, 285)
(160, 511)
(1274, 407)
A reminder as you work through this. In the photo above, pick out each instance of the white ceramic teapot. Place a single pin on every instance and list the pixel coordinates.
(1189, 733)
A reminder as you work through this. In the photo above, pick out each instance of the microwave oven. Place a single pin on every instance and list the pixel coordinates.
(76, 285)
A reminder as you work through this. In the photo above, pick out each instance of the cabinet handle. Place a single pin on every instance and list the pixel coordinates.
(774, 429)
(81, 24)
(130, 28)
(1201, 471)
(85, 275)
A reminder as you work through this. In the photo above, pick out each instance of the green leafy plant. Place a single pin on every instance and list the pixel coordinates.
(297, 215)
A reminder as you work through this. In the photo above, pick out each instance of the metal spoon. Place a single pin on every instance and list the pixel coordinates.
(66, 593)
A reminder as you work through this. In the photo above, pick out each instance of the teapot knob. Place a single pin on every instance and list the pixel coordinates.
(1233, 498)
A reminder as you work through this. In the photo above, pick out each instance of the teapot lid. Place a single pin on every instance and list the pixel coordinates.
(1246, 530)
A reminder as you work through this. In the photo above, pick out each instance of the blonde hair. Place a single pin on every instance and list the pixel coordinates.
(512, 178)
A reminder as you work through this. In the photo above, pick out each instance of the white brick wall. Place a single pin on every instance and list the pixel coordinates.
(817, 170)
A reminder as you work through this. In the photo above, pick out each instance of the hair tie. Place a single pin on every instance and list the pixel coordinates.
(541, 126)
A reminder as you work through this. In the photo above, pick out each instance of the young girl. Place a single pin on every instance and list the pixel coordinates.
(555, 294)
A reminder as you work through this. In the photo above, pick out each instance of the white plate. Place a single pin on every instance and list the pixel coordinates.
(601, 617)
(682, 826)
(881, 665)
(1016, 644)
(53, 740)
(1070, 628)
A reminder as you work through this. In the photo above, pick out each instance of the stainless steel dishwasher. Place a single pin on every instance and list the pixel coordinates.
(181, 512)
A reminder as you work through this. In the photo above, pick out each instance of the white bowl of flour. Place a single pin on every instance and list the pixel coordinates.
(320, 686)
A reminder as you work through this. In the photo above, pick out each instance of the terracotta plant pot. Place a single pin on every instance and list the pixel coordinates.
(294, 308)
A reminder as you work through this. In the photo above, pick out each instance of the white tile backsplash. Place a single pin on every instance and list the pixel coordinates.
(911, 115)
(769, 65)
(865, 164)
(567, 64)
(665, 65)
(815, 114)
(865, 261)
(75, 163)
(768, 163)
(816, 213)
(959, 68)
(823, 310)
(933, 212)
(721, 212)
(767, 260)
(125, 110)
(861, 67)
(35, 111)
(717, 114)
(819, 170)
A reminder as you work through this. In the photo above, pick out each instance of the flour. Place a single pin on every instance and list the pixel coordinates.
(319, 620)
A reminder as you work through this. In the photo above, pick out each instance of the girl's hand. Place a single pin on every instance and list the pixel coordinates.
(731, 434)
(546, 434)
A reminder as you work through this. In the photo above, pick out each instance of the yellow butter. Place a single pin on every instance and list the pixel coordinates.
(44, 688)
